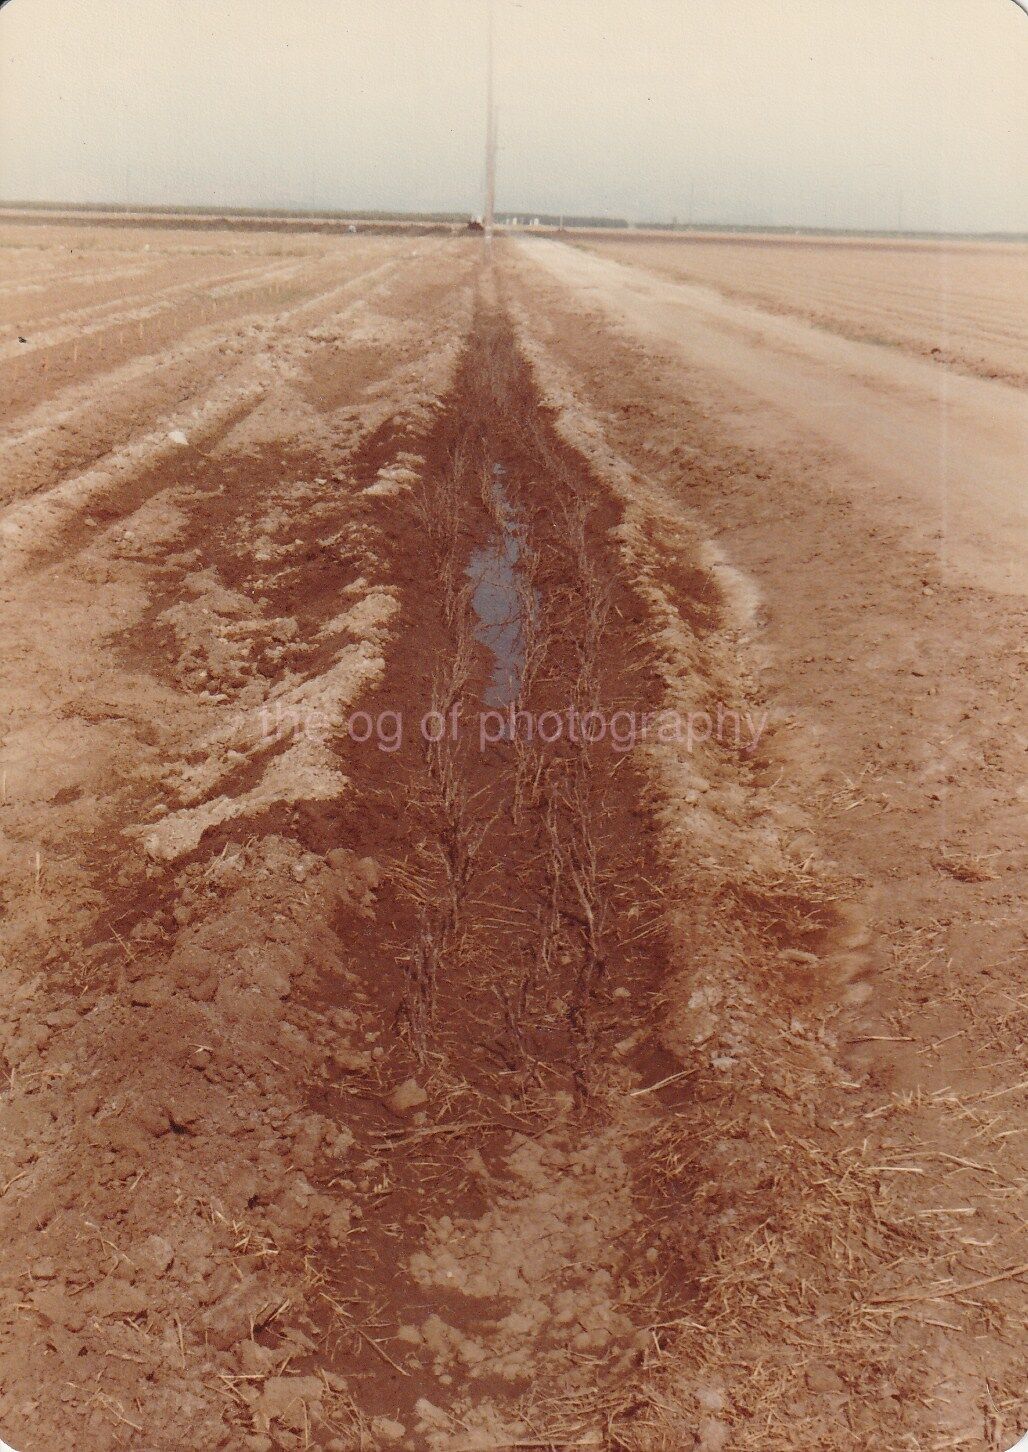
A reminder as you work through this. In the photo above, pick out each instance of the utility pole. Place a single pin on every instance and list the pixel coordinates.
(490, 134)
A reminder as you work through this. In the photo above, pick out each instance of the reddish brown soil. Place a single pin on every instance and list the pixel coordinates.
(368, 1094)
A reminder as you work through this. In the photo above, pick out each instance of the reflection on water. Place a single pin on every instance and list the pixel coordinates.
(497, 600)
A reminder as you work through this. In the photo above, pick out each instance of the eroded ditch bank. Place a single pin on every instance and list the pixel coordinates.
(518, 911)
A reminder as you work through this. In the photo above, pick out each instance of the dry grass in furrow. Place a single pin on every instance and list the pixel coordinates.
(961, 303)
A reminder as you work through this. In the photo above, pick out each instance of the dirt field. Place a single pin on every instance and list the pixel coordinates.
(961, 303)
(511, 844)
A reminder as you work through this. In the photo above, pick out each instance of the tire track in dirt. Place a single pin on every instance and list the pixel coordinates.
(890, 429)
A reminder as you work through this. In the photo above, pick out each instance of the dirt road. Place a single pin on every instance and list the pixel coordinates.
(510, 856)
(915, 442)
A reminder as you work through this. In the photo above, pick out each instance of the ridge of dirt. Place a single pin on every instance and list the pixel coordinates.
(183, 382)
(159, 1150)
(863, 1165)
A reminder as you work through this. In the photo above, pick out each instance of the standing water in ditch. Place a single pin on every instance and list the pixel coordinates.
(497, 598)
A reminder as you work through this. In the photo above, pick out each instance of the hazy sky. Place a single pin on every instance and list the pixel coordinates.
(814, 112)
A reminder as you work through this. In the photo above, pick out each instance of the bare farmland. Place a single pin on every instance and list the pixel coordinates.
(963, 303)
(386, 1067)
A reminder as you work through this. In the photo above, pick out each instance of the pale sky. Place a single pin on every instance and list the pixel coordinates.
(847, 113)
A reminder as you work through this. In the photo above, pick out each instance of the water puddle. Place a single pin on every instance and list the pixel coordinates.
(497, 600)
